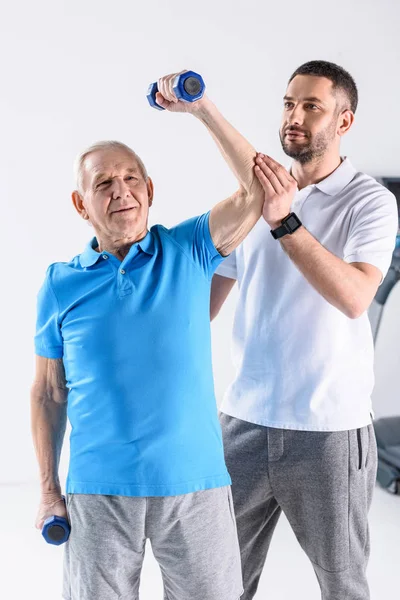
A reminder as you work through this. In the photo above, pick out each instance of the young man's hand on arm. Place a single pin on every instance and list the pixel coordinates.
(350, 287)
(233, 218)
(48, 421)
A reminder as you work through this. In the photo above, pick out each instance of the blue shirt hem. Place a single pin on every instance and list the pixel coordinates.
(108, 489)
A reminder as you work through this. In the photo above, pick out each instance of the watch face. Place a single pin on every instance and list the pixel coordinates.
(292, 222)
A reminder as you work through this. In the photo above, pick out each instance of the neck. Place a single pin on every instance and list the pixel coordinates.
(118, 246)
(315, 171)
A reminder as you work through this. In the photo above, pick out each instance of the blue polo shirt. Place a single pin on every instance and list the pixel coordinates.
(134, 337)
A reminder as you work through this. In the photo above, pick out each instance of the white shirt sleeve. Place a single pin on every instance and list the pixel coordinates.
(372, 235)
(228, 267)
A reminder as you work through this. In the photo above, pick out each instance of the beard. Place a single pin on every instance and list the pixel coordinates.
(313, 148)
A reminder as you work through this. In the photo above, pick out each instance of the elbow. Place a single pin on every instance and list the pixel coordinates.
(250, 192)
(354, 311)
(256, 190)
(243, 194)
(353, 314)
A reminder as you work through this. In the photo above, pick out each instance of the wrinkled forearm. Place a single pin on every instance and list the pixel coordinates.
(236, 150)
(48, 424)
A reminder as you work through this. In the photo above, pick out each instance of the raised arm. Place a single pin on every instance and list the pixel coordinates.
(233, 218)
(48, 423)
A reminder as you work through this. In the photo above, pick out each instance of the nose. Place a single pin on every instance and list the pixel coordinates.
(120, 188)
(296, 116)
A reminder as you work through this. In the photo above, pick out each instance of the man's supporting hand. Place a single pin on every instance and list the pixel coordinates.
(279, 188)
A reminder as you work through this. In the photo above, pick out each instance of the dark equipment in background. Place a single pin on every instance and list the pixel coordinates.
(387, 430)
(393, 275)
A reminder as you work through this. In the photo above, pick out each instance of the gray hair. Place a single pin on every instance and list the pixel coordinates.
(106, 145)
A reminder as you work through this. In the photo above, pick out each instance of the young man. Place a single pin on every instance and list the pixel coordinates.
(296, 421)
(123, 339)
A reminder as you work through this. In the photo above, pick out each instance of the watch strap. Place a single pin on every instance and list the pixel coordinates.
(289, 225)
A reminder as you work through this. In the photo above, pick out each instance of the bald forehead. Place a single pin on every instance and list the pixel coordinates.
(109, 159)
(106, 163)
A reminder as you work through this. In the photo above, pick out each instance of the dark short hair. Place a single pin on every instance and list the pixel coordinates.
(341, 79)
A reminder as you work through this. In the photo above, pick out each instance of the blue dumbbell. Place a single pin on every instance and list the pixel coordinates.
(188, 86)
(56, 530)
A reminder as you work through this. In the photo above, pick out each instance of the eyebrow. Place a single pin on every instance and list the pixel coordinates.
(100, 176)
(309, 99)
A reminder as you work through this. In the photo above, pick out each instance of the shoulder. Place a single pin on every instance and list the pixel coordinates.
(187, 224)
(191, 229)
(366, 198)
(158, 230)
(57, 269)
(368, 189)
(59, 273)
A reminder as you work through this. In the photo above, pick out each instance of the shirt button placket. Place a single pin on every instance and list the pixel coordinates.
(125, 285)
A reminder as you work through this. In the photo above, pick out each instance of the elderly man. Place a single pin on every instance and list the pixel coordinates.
(123, 341)
(296, 421)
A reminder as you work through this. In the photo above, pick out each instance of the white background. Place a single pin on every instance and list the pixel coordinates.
(76, 72)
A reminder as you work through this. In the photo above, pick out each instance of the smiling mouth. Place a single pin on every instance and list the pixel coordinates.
(122, 210)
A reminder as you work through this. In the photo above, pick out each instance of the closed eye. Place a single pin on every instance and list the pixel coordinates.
(104, 183)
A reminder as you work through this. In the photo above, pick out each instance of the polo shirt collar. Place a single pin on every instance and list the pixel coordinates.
(337, 181)
(147, 244)
(89, 256)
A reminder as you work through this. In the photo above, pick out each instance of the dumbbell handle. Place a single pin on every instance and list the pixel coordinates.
(56, 530)
(188, 86)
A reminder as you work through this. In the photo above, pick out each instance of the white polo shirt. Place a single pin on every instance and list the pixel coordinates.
(300, 362)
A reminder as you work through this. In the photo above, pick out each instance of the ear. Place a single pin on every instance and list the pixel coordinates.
(150, 191)
(77, 201)
(346, 120)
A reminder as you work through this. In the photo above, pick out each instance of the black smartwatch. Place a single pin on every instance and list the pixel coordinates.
(289, 225)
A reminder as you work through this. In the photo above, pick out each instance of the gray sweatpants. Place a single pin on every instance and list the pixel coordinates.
(323, 482)
(193, 538)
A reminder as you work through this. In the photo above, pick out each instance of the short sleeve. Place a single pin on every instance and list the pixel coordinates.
(372, 235)
(228, 267)
(194, 237)
(48, 338)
